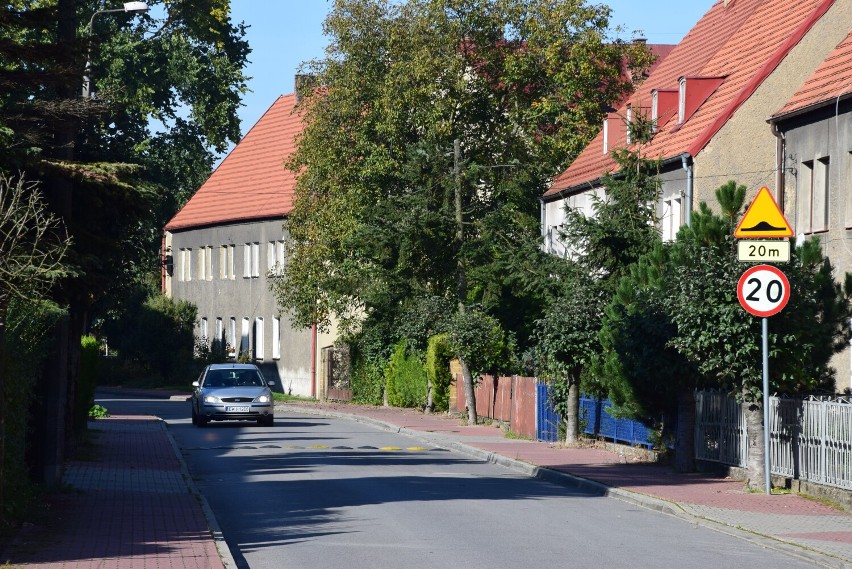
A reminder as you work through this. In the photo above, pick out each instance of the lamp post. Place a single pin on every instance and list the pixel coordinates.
(131, 7)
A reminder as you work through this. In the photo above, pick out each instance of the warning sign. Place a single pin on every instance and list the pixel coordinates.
(763, 218)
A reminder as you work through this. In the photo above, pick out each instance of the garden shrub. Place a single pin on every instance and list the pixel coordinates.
(405, 378)
(438, 355)
(86, 381)
(30, 329)
(159, 337)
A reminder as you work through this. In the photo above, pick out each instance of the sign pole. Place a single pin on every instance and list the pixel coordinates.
(766, 460)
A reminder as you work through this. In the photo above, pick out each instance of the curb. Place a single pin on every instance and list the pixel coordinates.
(212, 524)
(591, 486)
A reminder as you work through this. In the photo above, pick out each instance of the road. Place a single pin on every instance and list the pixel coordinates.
(320, 492)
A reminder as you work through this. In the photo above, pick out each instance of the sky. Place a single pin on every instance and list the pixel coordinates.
(284, 33)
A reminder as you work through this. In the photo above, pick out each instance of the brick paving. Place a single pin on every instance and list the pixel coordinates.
(127, 506)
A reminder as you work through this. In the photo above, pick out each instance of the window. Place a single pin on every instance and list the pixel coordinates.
(629, 124)
(231, 254)
(219, 332)
(258, 338)
(244, 337)
(655, 109)
(204, 329)
(251, 260)
(276, 338)
(185, 264)
(255, 260)
(275, 256)
(223, 262)
(205, 263)
(232, 336)
(670, 219)
(813, 196)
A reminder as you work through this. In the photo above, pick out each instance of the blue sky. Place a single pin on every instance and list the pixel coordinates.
(285, 33)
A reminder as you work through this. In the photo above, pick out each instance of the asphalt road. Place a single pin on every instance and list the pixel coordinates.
(316, 492)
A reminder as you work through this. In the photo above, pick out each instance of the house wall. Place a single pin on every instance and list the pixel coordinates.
(554, 217)
(744, 148)
(238, 296)
(823, 140)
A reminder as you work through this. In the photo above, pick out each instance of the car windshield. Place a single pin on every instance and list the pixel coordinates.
(233, 378)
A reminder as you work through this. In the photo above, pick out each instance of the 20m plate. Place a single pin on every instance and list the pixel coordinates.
(753, 251)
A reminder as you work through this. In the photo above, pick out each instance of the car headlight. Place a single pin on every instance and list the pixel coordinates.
(211, 399)
(262, 399)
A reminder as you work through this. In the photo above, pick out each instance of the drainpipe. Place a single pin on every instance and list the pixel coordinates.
(542, 219)
(780, 151)
(686, 161)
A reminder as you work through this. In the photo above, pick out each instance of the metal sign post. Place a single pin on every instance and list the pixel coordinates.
(766, 459)
(763, 290)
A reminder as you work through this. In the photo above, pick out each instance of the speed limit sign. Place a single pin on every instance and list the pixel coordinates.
(763, 290)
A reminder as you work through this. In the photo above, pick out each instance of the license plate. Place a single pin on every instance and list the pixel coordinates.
(240, 409)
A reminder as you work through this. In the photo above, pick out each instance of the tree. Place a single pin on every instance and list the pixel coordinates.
(103, 166)
(604, 247)
(644, 376)
(32, 247)
(716, 335)
(566, 344)
(435, 127)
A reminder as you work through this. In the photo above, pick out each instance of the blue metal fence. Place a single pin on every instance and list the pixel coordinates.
(546, 419)
(595, 420)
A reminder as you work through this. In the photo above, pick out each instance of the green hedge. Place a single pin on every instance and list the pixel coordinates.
(438, 356)
(29, 338)
(86, 381)
(405, 378)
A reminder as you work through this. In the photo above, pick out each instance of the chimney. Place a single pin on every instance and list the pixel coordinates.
(303, 82)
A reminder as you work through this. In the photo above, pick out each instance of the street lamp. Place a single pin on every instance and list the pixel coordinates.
(131, 7)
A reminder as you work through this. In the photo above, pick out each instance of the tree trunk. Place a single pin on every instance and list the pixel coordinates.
(469, 393)
(572, 413)
(756, 461)
(430, 404)
(684, 458)
(4, 305)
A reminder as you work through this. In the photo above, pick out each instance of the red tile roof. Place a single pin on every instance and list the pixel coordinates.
(832, 79)
(742, 43)
(251, 182)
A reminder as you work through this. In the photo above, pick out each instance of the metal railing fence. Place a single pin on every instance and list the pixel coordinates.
(809, 439)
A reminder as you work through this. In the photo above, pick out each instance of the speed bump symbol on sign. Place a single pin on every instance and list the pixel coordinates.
(763, 218)
(763, 290)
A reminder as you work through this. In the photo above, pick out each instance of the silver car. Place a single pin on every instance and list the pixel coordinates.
(232, 392)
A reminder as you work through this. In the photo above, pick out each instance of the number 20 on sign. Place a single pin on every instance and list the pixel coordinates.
(763, 290)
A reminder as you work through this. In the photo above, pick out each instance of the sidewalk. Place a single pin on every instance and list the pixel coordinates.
(129, 503)
(132, 503)
(791, 523)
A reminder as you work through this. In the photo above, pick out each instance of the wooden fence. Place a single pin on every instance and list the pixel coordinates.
(509, 399)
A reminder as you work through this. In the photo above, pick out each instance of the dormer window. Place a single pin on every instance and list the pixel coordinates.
(655, 109)
(681, 101)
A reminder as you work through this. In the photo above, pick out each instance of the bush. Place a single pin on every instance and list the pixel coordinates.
(86, 382)
(30, 327)
(438, 355)
(156, 339)
(369, 355)
(405, 378)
